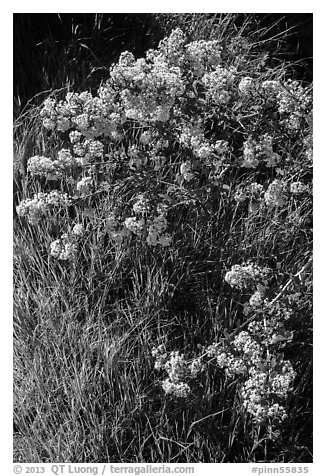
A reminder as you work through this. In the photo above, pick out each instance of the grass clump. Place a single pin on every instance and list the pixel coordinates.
(163, 261)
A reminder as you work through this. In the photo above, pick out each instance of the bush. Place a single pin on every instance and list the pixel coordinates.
(163, 263)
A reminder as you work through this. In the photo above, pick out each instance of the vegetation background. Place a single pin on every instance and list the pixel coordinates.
(64, 410)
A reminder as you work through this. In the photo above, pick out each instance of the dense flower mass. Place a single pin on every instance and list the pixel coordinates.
(255, 153)
(244, 276)
(276, 194)
(51, 169)
(297, 188)
(78, 230)
(246, 85)
(34, 209)
(63, 249)
(219, 84)
(179, 371)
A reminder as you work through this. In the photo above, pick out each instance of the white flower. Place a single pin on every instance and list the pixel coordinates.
(78, 230)
(39, 206)
(84, 185)
(179, 389)
(135, 225)
(142, 205)
(257, 299)
(63, 249)
(42, 166)
(297, 188)
(55, 248)
(218, 83)
(246, 85)
(249, 155)
(95, 148)
(146, 138)
(75, 137)
(275, 195)
(203, 54)
(196, 367)
(186, 171)
(82, 122)
(65, 159)
(271, 87)
(243, 276)
(176, 367)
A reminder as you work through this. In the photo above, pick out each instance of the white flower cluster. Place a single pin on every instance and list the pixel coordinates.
(142, 205)
(254, 192)
(202, 55)
(261, 151)
(52, 169)
(308, 146)
(178, 389)
(264, 381)
(91, 116)
(224, 358)
(152, 227)
(87, 150)
(75, 137)
(178, 371)
(148, 89)
(268, 377)
(255, 396)
(78, 230)
(63, 249)
(281, 382)
(261, 388)
(276, 195)
(206, 154)
(170, 49)
(203, 149)
(84, 185)
(191, 132)
(195, 58)
(218, 84)
(293, 103)
(246, 275)
(249, 159)
(252, 351)
(42, 166)
(186, 171)
(34, 209)
(257, 298)
(247, 86)
(298, 188)
(271, 87)
(135, 226)
(49, 114)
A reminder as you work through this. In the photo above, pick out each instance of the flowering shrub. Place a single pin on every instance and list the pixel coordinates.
(40, 206)
(146, 163)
